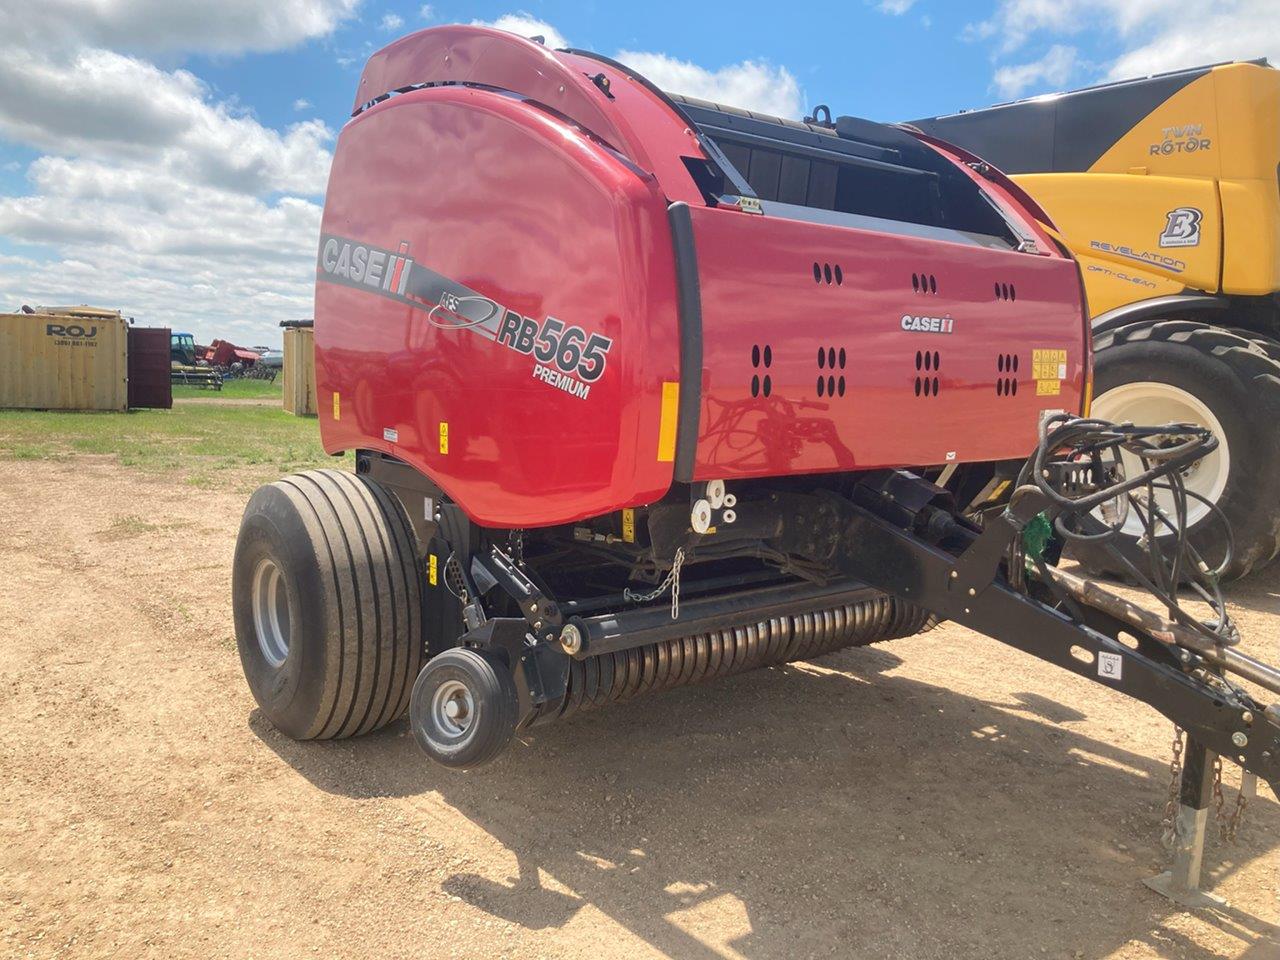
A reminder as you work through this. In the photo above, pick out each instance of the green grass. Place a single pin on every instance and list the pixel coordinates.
(205, 443)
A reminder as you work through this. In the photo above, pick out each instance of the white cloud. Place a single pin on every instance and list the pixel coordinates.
(1204, 33)
(229, 26)
(106, 105)
(1152, 35)
(302, 103)
(427, 12)
(895, 8)
(752, 85)
(391, 22)
(527, 25)
(1053, 70)
(161, 249)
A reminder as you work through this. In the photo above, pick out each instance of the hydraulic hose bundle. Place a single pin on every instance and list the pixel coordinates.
(1079, 469)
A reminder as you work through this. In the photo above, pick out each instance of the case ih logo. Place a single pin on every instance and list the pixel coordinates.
(567, 357)
(380, 269)
(927, 324)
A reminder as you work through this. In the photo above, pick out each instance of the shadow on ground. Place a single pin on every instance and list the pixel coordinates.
(830, 809)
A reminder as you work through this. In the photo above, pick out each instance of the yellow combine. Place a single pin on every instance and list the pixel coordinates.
(1165, 189)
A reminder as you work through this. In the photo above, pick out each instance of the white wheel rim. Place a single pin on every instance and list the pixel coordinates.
(271, 612)
(454, 708)
(1148, 403)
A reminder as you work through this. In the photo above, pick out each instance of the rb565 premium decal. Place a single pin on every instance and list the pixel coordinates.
(567, 356)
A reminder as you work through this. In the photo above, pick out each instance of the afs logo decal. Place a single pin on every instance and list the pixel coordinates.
(568, 358)
(1182, 228)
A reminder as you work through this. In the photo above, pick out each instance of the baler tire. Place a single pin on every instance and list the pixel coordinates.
(482, 684)
(340, 551)
(1240, 386)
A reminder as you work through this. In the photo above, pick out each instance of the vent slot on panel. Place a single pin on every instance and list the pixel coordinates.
(761, 361)
(830, 382)
(828, 273)
(1006, 291)
(1006, 379)
(927, 364)
(924, 283)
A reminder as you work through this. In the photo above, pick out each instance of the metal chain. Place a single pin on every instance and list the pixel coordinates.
(671, 580)
(1228, 824)
(1237, 816)
(1169, 823)
(1219, 801)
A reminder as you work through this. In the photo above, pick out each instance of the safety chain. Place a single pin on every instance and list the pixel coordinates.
(1169, 823)
(671, 580)
(1228, 825)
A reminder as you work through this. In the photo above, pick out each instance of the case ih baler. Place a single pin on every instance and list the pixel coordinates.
(646, 391)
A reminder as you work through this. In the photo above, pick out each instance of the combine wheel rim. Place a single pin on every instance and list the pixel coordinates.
(1149, 401)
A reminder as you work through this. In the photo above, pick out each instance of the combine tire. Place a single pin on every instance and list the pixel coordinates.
(464, 708)
(1179, 371)
(328, 606)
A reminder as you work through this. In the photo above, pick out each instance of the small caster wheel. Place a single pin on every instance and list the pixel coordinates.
(464, 709)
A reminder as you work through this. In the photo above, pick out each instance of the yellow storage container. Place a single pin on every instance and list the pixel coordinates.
(73, 358)
(300, 371)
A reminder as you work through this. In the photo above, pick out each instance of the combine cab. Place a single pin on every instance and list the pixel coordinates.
(645, 392)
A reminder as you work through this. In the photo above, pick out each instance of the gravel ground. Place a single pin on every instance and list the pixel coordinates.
(935, 797)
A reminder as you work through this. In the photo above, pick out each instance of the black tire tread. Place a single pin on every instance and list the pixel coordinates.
(375, 606)
(1255, 369)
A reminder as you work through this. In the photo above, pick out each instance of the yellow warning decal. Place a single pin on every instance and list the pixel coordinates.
(337, 405)
(433, 570)
(444, 437)
(1048, 369)
(667, 425)
(629, 526)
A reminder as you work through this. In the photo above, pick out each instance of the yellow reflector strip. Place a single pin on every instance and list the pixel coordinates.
(667, 425)
(444, 437)
(337, 405)
(1088, 396)
(433, 570)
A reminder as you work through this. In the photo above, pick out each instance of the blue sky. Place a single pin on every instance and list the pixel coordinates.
(168, 157)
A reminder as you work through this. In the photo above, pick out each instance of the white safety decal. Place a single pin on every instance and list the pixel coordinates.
(1110, 665)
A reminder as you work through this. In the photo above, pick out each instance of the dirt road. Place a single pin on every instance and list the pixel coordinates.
(937, 797)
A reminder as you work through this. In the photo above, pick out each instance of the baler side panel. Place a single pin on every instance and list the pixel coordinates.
(772, 323)
(484, 195)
